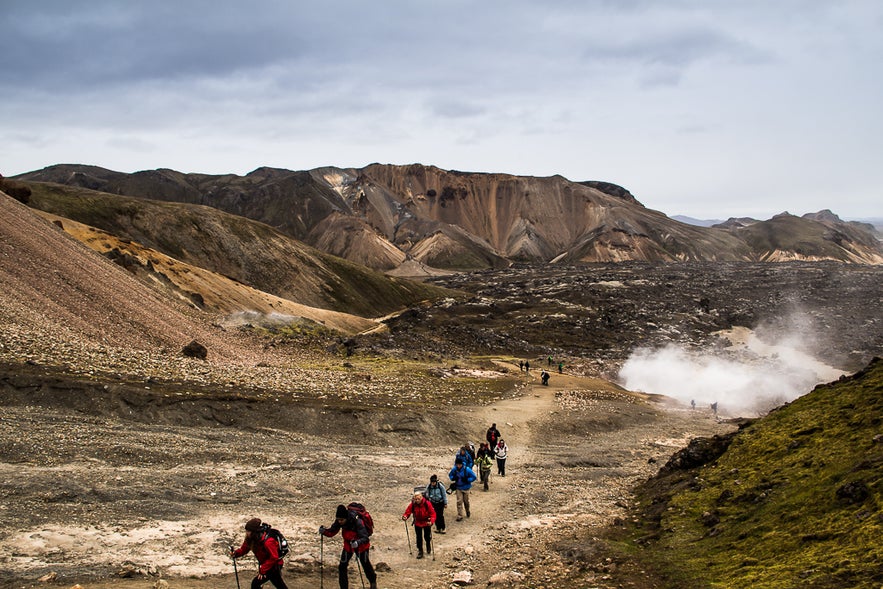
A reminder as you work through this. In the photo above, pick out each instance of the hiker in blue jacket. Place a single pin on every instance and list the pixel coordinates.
(464, 455)
(461, 481)
(438, 496)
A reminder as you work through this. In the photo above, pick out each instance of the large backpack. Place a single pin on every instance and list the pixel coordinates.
(277, 535)
(360, 511)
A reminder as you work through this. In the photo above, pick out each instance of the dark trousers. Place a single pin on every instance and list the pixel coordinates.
(501, 467)
(345, 557)
(421, 533)
(274, 576)
(485, 477)
(439, 516)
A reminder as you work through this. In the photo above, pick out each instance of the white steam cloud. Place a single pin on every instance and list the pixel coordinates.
(749, 378)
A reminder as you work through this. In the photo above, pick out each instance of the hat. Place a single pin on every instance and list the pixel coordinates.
(341, 512)
(253, 525)
(433, 479)
(458, 461)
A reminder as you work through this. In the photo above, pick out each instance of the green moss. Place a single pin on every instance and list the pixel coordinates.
(796, 500)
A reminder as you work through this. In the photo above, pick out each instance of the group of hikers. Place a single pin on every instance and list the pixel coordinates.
(426, 507)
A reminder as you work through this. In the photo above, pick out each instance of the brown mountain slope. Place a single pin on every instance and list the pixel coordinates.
(246, 251)
(57, 290)
(385, 215)
(203, 289)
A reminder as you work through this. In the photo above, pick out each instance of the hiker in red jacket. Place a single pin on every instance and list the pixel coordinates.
(266, 550)
(355, 541)
(424, 517)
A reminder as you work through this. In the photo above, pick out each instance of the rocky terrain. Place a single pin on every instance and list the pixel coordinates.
(129, 464)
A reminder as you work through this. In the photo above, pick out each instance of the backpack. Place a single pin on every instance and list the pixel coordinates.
(359, 510)
(277, 535)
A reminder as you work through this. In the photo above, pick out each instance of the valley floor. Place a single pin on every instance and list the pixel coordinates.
(105, 501)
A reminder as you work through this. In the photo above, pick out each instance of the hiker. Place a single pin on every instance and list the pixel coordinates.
(355, 541)
(462, 478)
(521, 365)
(266, 550)
(501, 451)
(692, 404)
(560, 367)
(544, 376)
(714, 408)
(424, 517)
(466, 456)
(438, 496)
(492, 435)
(549, 361)
(484, 462)
(527, 365)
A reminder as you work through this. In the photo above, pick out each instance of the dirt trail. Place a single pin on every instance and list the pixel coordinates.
(576, 448)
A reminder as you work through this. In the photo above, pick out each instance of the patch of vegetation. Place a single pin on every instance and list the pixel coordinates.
(796, 499)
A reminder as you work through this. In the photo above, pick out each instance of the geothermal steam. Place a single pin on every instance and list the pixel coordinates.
(749, 378)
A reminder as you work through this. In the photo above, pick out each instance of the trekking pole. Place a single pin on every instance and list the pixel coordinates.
(359, 562)
(235, 570)
(409, 537)
(321, 562)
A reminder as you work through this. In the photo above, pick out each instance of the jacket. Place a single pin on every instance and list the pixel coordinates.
(466, 457)
(436, 493)
(484, 462)
(265, 549)
(353, 529)
(424, 513)
(462, 478)
(501, 451)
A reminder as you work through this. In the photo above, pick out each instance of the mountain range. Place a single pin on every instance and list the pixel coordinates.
(416, 219)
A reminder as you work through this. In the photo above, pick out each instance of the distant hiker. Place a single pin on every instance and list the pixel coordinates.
(355, 541)
(465, 455)
(561, 368)
(266, 550)
(492, 435)
(424, 517)
(521, 365)
(544, 376)
(714, 408)
(693, 404)
(549, 361)
(462, 478)
(484, 462)
(501, 451)
(527, 366)
(438, 496)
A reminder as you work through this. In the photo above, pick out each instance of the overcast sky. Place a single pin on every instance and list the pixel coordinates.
(708, 108)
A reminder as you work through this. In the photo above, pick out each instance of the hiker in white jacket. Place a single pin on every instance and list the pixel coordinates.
(500, 451)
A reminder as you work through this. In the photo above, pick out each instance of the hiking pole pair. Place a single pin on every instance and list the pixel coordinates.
(235, 570)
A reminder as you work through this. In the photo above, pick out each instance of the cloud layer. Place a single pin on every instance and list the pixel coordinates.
(702, 108)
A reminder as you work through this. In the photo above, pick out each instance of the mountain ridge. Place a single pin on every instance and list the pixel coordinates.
(384, 215)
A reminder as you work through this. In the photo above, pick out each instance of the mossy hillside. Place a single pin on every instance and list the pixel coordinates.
(796, 500)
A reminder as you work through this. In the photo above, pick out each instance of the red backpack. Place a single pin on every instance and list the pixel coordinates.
(359, 510)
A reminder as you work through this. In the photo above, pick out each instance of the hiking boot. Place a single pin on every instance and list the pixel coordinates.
(420, 554)
(468, 514)
(439, 531)
(459, 518)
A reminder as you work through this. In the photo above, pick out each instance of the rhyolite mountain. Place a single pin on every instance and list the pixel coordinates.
(388, 217)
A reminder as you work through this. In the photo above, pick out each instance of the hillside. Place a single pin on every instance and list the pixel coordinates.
(384, 216)
(793, 499)
(240, 249)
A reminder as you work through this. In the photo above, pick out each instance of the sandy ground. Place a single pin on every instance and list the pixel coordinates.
(104, 502)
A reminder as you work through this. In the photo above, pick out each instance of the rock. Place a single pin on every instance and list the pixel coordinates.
(463, 578)
(382, 567)
(195, 350)
(48, 578)
(506, 579)
(161, 584)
